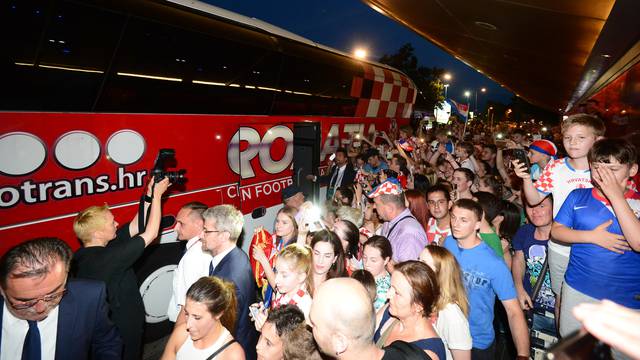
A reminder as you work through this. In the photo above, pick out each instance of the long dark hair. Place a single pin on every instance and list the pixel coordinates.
(351, 235)
(338, 267)
(219, 296)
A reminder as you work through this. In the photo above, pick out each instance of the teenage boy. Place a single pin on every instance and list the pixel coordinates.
(530, 245)
(540, 153)
(374, 162)
(439, 224)
(464, 152)
(602, 223)
(485, 276)
(463, 178)
(559, 178)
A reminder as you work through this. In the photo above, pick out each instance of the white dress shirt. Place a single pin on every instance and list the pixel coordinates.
(193, 265)
(14, 331)
(339, 176)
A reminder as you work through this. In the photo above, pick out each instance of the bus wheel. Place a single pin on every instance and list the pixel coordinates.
(155, 276)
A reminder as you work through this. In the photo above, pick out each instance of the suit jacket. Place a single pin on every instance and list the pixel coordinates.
(347, 178)
(84, 328)
(235, 267)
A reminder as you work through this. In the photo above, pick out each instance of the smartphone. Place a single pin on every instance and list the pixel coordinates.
(253, 310)
(521, 156)
(579, 345)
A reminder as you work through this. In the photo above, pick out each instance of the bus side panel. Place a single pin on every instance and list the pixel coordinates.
(53, 165)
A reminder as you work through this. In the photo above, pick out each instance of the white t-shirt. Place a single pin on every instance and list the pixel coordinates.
(467, 163)
(560, 178)
(453, 328)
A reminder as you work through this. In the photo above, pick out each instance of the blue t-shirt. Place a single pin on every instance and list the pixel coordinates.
(535, 252)
(370, 169)
(594, 270)
(485, 275)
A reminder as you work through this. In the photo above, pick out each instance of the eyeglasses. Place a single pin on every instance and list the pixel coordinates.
(437, 202)
(211, 231)
(48, 299)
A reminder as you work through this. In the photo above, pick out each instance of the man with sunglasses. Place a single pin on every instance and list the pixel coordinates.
(45, 317)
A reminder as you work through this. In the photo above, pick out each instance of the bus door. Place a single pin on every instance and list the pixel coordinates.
(306, 157)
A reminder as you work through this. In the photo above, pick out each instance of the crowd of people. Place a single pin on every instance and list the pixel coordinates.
(435, 245)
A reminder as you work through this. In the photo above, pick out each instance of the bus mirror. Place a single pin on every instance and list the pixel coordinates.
(258, 212)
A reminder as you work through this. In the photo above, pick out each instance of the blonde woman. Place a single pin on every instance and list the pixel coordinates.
(452, 305)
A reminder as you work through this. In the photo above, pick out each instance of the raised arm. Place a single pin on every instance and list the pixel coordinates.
(133, 225)
(628, 221)
(532, 195)
(153, 225)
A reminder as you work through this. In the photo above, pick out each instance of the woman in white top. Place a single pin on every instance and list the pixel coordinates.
(210, 311)
(452, 305)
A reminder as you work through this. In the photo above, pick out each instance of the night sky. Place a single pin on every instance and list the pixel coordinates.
(347, 24)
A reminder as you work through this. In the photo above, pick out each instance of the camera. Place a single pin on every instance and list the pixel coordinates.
(165, 159)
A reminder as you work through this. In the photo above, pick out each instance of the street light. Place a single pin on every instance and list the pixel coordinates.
(360, 53)
(446, 76)
(445, 90)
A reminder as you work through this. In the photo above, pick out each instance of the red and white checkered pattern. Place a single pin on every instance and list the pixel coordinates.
(386, 188)
(392, 94)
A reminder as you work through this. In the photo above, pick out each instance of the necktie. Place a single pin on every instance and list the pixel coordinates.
(211, 268)
(334, 178)
(31, 347)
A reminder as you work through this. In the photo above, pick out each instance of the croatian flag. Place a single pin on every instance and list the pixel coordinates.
(462, 110)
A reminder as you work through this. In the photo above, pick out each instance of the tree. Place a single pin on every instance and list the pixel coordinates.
(427, 79)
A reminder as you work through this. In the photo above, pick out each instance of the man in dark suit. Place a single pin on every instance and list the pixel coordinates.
(342, 173)
(47, 316)
(222, 228)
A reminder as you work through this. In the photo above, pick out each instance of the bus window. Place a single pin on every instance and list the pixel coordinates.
(316, 84)
(65, 65)
(26, 21)
(161, 68)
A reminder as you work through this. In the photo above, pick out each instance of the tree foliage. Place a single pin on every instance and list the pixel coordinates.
(427, 79)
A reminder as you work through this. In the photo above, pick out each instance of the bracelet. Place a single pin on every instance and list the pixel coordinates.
(147, 198)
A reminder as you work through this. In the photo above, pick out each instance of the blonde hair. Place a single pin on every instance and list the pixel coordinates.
(88, 221)
(298, 257)
(587, 120)
(449, 278)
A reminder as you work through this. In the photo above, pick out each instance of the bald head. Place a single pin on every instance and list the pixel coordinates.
(342, 316)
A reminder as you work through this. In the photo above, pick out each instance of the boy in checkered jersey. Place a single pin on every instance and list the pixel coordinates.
(559, 178)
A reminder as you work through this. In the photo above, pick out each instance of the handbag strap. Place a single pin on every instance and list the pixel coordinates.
(540, 281)
(221, 349)
(385, 335)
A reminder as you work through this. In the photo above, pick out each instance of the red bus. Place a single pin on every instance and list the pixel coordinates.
(94, 89)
